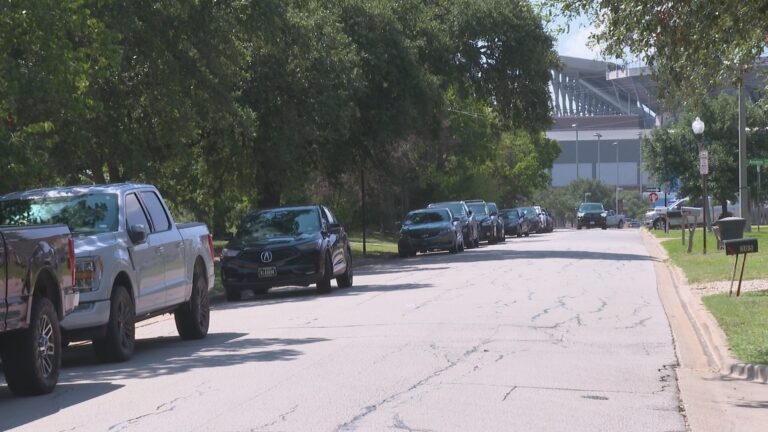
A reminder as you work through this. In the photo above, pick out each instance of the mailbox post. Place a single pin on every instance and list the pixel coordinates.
(732, 233)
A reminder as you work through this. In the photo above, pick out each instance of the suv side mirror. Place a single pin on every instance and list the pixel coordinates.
(137, 233)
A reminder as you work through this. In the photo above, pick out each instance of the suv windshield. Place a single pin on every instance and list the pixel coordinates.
(591, 207)
(455, 207)
(422, 217)
(269, 224)
(479, 209)
(510, 215)
(83, 214)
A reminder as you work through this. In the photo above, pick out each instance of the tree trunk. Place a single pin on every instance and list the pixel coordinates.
(269, 194)
(724, 207)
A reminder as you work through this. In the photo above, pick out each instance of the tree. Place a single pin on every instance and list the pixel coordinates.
(692, 47)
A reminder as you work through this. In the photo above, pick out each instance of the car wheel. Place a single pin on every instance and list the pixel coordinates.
(461, 245)
(345, 280)
(519, 234)
(402, 253)
(578, 227)
(620, 225)
(324, 284)
(260, 291)
(120, 340)
(605, 227)
(32, 357)
(493, 239)
(232, 294)
(193, 317)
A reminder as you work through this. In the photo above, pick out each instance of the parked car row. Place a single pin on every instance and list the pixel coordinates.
(458, 225)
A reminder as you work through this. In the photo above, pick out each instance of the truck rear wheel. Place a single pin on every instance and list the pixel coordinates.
(32, 357)
(120, 340)
(193, 317)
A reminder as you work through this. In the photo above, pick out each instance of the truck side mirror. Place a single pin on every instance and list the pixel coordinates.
(137, 233)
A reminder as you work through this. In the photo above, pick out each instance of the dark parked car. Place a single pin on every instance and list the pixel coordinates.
(429, 230)
(469, 227)
(494, 211)
(485, 221)
(533, 218)
(515, 222)
(591, 215)
(286, 246)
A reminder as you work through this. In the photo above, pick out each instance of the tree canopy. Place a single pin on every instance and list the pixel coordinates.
(228, 105)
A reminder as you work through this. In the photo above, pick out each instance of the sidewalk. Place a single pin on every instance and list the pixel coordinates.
(717, 392)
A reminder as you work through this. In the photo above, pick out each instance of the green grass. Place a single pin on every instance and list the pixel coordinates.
(744, 320)
(377, 244)
(715, 265)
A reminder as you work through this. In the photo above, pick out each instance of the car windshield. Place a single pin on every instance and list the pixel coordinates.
(510, 215)
(478, 208)
(591, 207)
(455, 207)
(278, 223)
(422, 217)
(83, 214)
(529, 211)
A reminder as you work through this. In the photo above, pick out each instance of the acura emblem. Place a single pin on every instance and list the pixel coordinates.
(266, 257)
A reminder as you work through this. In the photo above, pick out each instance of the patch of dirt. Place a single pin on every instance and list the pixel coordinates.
(708, 288)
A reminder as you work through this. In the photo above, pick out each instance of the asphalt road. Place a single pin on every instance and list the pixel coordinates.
(561, 331)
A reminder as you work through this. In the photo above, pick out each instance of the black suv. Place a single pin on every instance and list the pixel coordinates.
(591, 215)
(461, 213)
(286, 246)
(485, 220)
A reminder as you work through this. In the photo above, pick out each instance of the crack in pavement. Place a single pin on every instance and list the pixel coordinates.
(635, 325)
(399, 424)
(508, 393)
(160, 409)
(351, 424)
(280, 418)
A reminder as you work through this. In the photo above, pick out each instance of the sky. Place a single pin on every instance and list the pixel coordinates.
(574, 43)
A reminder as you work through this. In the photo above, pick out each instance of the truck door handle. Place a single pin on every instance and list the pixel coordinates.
(160, 250)
(179, 245)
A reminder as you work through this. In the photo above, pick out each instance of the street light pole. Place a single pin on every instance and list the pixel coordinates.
(598, 135)
(586, 194)
(640, 167)
(698, 130)
(616, 143)
(576, 126)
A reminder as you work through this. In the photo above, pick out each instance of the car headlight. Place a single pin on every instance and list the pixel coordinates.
(604, 214)
(229, 253)
(579, 214)
(88, 273)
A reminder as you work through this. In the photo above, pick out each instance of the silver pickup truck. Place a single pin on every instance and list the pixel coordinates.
(132, 262)
(36, 273)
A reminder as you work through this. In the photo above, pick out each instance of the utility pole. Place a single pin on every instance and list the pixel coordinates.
(743, 188)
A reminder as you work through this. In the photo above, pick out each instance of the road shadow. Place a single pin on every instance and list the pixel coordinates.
(18, 411)
(172, 355)
(299, 294)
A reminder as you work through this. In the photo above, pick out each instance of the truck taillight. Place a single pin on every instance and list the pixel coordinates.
(210, 246)
(72, 261)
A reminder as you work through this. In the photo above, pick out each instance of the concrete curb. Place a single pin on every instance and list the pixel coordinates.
(710, 335)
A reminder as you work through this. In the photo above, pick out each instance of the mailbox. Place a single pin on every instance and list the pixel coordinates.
(731, 228)
(740, 246)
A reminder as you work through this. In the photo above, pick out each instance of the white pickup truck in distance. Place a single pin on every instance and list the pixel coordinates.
(132, 262)
(674, 213)
(615, 220)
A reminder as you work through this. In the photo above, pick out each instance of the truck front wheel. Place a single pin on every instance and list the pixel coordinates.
(120, 339)
(32, 357)
(193, 317)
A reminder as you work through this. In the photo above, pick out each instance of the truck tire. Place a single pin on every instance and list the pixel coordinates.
(346, 279)
(324, 284)
(620, 225)
(578, 227)
(193, 317)
(32, 357)
(120, 340)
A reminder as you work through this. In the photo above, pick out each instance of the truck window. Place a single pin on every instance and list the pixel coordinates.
(156, 211)
(134, 214)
